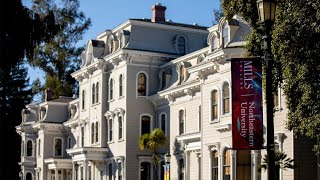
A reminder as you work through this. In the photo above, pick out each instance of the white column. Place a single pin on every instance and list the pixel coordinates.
(233, 164)
(49, 174)
(210, 163)
(73, 171)
(220, 166)
(186, 168)
(85, 169)
(56, 174)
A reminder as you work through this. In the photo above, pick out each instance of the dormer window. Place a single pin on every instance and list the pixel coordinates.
(225, 34)
(142, 84)
(181, 74)
(181, 45)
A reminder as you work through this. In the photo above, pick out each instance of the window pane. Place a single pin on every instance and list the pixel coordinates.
(226, 98)
(58, 147)
(97, 131)
(97, 92)
(111, 89)
(181, 122)
(225, 34)
(215, 167)
(29, 148)
(120, 85)
(181, 45)
(145, 124)
(83, 99)
(110, 130)
(163, 123)
(93, 94)
(226, 165)
(181, 72)
(92, 133)
(141, 84)
(214, 109)
(120, 127)
(145, 171)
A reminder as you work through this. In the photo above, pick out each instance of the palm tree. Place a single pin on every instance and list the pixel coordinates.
(152, 141)
(281, 162)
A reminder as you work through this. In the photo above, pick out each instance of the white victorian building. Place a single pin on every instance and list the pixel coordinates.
(143, 74)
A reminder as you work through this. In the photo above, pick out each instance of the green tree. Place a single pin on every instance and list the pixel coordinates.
(281, 162)
(152, 141)
(61, 56)
(20, 31)
(296, 48)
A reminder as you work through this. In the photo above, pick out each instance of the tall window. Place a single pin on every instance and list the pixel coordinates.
(29, 148)
(92, 133)
(93, 93)
(181, 169)
(163, 123)
(110, 171)
(181, 45)
(39, 146)
(110, 130)
(142, 83)
(226, 165)
(145, 171)
(225, 34)
(97, 132)
(83, 99)
(214, 104)
(97, 92)
(120, 127)
(58, 147)
(120, 85)
(243, 164)
(164, 78)
(29, 176)
(226, 98)
(82, 136)
(69, 142)
(111, 89)
(145, 125)
(181, 122)
(215, 167)
(181, 73)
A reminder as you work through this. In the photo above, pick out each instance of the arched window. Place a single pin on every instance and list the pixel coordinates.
(97, 92)
(214, 163)
(243, 164)
(111, 89)
(145, 171)
(181, 121)
(92, 133)
(163, 123)
(214, 105)
(111, 45)
(226, 98)
(29, 148)
(97, 132)
(225, 34)
(215, 42)
(93, 93)
(110, 126)
(120, 85)
(226, 165)
(57, 147)
(142, 83)
(181, 45)
(145, 124)
(28, 176)
(181, 74)
(120, 135)
(83, 99)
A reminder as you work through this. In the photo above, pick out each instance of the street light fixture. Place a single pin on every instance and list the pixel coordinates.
(267, 10)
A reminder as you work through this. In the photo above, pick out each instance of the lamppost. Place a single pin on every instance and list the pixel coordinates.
(76, 167)
(267, 9)
(167, 158)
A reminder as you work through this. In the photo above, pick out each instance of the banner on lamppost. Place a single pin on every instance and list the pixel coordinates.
(247, 117)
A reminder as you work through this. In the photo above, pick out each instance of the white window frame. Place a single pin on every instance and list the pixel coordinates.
(62, 147)
(184, 123)
(146, 85)
(122, 131)
(121, 79)
(211, 120)
(222, 99)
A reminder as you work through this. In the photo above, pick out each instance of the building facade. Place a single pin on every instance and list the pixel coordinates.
(146, 74)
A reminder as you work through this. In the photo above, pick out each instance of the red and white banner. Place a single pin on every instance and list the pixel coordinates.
(247, 117)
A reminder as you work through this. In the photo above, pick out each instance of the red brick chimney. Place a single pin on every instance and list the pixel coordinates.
(158, 14)
(48, 94)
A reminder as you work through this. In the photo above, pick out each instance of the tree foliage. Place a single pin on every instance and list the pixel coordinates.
(281, 162)
(61, 56)
(21, 30)
(153, 141)
(296, 49)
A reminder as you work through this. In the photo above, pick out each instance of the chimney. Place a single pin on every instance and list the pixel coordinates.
(48, 94)
(158, 14)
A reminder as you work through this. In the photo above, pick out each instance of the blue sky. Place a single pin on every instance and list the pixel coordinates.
(107, 14)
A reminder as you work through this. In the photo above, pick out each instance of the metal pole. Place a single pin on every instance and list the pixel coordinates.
(269, 101)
